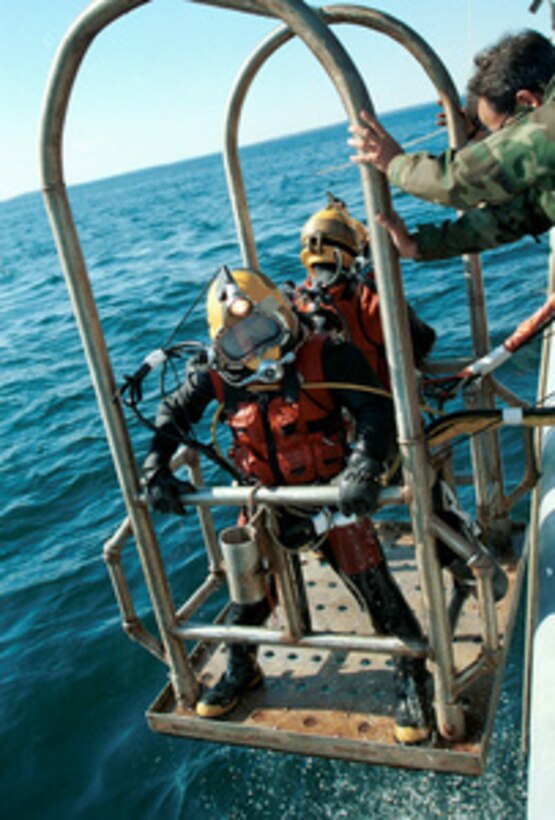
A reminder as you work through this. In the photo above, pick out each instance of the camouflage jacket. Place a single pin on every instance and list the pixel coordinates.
(513, 171)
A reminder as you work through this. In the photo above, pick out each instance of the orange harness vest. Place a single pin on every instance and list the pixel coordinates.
(359, 312)
(282, 441)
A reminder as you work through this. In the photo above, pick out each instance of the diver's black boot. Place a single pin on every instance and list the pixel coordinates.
(413, 712)
(243, 672)
(392, 615)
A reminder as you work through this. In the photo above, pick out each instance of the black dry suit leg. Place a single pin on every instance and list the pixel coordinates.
(391, 615)
(242, 671)
(369, 578)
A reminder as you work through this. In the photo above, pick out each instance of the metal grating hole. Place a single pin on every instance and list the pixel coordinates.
(292, 656)
(316, 658)
(365, 662)
(269, 653)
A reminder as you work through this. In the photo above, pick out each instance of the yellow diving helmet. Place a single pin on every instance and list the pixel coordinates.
(331, 240)
(252, 327)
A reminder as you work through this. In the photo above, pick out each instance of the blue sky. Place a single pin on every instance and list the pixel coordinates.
(153, 86)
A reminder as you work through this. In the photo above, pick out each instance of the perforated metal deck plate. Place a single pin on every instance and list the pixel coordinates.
(342, 704)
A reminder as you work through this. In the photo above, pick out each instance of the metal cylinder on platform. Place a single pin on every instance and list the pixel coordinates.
(243, 564)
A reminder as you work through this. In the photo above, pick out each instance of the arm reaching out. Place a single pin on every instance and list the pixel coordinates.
(399, 234)
(374, 144)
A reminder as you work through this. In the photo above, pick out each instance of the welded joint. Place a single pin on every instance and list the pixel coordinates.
(451, 723)
(114, 545)
(135, 630)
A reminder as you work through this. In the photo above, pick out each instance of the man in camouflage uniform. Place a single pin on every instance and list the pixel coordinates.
(504, 183)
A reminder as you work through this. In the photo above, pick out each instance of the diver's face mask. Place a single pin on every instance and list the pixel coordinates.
(249, 337)
(251, 350)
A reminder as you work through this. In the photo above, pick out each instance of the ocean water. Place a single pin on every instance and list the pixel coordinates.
(73, 688)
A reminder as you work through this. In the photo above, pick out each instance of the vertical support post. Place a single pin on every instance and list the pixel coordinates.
(310, 28)
(484, 448)
(205, 514)
(77, 41)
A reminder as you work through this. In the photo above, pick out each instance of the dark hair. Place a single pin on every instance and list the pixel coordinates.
(521, 61)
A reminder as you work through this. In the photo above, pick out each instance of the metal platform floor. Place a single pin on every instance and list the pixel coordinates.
(338, 704)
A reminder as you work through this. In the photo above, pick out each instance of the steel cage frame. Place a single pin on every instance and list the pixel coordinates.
(304, 22)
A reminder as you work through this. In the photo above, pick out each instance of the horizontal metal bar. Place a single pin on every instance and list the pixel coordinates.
(475, 553)
(317, 640)
(305, 496)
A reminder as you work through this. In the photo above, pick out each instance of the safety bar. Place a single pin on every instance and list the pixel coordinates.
(317, 640)
(302, 496)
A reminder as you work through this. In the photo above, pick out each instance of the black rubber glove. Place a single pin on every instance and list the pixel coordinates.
(163, 491)
(359, 485)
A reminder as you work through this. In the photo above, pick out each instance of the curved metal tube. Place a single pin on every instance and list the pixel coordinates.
(313, 31)
(485, 449)
(70, 55)
(311, 27)
(370, 18)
